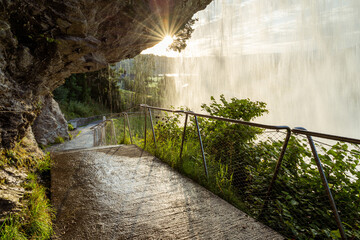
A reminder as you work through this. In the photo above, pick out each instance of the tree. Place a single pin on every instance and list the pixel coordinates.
(183, 35)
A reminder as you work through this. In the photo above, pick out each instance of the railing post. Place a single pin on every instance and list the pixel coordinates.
(276, 171)
(103, 139)
(127, 117)
(113, 131)
(152, 127)
(326, 185)
(201, 145)
(94, 137)
(145, 129)
(183, 136)
(124, 127)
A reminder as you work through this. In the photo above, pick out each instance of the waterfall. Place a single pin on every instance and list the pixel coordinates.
(300, 57)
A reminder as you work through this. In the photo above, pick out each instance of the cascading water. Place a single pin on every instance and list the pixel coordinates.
(300, 57)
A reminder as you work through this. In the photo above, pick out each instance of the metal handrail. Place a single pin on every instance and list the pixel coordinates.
(220, 118)
(303, 131)
(187, 113)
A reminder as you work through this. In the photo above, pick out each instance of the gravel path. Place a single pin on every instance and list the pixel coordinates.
(123, 192)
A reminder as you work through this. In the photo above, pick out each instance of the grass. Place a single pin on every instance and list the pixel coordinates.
(38, 214)
(18, 157)
(34, 220)
(136, 126)
(11, 229)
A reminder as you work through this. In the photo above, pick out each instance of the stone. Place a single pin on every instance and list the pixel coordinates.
(50, 124)
(43, 42)
(29, 144)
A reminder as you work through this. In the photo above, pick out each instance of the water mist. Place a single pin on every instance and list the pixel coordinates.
(300, 57)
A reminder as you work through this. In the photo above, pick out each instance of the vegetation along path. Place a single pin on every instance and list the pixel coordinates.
(123, 192)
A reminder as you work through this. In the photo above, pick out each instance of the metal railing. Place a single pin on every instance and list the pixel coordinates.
(232, 169)
(100, 136)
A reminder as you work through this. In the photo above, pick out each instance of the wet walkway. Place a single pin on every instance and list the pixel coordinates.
(85, 139)
(123, 192)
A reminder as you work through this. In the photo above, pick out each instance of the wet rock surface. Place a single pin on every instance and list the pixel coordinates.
(123, 192)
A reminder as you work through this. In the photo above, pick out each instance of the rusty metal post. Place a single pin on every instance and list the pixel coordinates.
(202, 147)
(152, 127)
(183, 136)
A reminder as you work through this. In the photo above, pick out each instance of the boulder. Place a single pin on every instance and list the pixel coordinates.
(50, 124)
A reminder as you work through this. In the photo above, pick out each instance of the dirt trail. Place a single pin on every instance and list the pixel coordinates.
(125, 193)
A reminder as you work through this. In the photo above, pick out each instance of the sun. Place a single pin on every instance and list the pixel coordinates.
(161, 49)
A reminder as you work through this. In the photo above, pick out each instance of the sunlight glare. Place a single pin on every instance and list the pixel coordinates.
(161, 49)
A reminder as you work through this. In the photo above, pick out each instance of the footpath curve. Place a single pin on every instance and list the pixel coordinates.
(123, 192)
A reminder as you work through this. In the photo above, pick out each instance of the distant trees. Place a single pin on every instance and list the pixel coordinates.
(111, 89)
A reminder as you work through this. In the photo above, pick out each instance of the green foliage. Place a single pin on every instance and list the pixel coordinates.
(39, 215)
(58, 140)
(44, 164)
(240, 109)
(83, 95)
(18, 157)
(241, 164)
(111, 90)
(183, 35)
(70, 127)
(75, 109)
(11, 229)
(34, 221)
(78, 134)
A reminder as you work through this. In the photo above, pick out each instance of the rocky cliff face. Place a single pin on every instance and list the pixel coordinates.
(42, 42)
